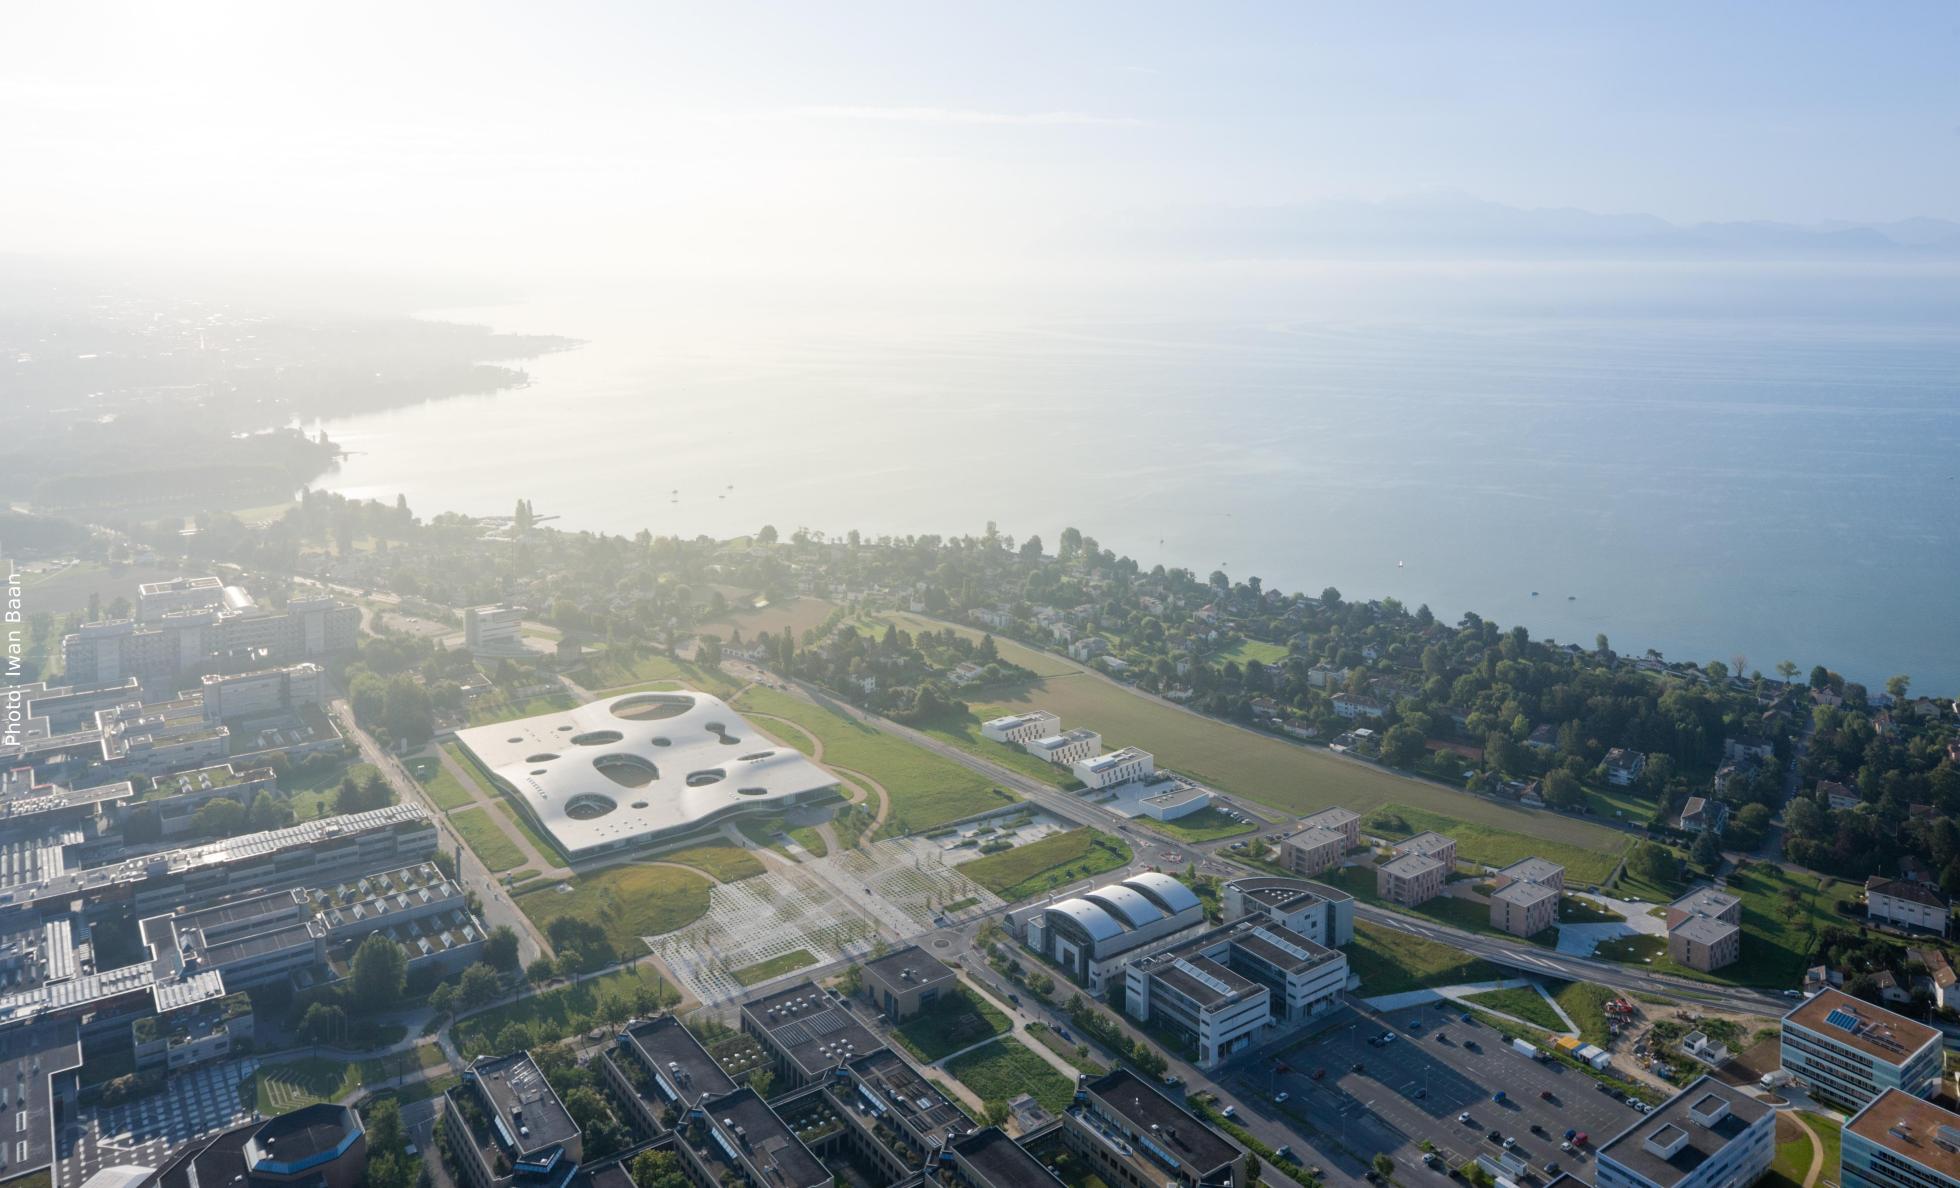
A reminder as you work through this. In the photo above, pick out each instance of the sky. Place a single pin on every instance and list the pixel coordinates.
(758, 138)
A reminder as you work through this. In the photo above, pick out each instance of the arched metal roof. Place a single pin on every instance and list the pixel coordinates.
(1174, 896)
(1099, 924)
(1131, 906)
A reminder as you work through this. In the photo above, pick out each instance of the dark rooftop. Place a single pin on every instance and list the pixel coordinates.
(1142, 1111)
(522, 1102)
(807, 1023)
(685, 1070)
(303, 1133)
(909, 966)
(901, 1090)
(999, 1161)
(1675, 1121)
(743, 1130)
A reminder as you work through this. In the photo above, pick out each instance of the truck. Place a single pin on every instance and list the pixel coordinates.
(1525, 1048)
(1775, 1080)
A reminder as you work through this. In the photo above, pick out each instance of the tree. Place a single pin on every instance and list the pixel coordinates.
(268, 812)
(479, 986)
(1820, 677)
(500, 947)
(1787, 669)
(762, 1081)
(1562, 789)
(1384, 1166)
(221, 816)
(380, 971)
(1401, 746)
(541, 970)
(1707, 852)
(1897, 684)
(658, 1169)
(322, 1023)
(767, 535)
(1653, 862)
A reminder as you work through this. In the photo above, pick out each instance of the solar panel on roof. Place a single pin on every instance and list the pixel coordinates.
(1842, 1019)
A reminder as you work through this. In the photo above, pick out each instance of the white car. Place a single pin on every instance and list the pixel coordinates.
(1282, 1095)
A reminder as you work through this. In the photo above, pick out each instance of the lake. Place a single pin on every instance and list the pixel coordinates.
(1763, 469)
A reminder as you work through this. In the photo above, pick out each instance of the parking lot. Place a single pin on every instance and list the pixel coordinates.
(1417, 1086)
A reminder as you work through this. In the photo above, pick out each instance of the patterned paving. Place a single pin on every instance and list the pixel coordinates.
(193, 1104)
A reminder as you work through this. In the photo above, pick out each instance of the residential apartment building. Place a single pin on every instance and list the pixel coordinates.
(1428, 844)
(1848, 1052)
(1908, 903)
(1709, 1135)
(1346, 822)
(1313, 851)
(1353, 705)
(1623, 766)
(1524, 908)
(1900, 1141)
(1704, 929)
(1130, 763)
(1022, 728)
(1411, 879)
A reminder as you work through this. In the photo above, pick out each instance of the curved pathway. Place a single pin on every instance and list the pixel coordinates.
(1816, 1150)
(859, 783)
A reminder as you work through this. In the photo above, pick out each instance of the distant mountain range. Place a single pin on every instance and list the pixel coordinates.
(1456, 225)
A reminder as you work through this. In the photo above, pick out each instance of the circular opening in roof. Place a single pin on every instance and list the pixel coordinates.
(639, 804)
(537, 771)
(513, 740)
(651, 707)
(714, 775)
(628, 771)
(544, 757)
(565, 727)
(662, 741)
(596, 738)
(752, 791)
(587, 806)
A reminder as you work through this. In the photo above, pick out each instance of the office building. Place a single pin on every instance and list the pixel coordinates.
(806, 1032)
(1116, 767)
(906, 981)
(738, 1139)
(1022, 728)
(989, 1159)
(1900, 1141)
(1709, 1135)
(1848, 1052)
(1322, 914)
(1130, 1133)
(316, 1146)
(1065, 750)
(1093, 934)
(235, 636)
(1224, 988)
(506, 1126)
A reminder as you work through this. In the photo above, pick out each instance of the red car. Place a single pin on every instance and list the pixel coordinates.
(1546, 1094)
(1319, 1073)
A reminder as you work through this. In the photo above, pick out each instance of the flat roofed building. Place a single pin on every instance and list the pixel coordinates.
(1705, 943)
(263, 691)
(1411, 879)
(657, 1065)
(1705, 901)
(496, 628)
(1064, 750)
(233, 636)
(1022, 728)
(904, 981)
(1132, 1134)
(1848, 1051)
(1219, 1010)
(1542, 871)
(1908, 903)
(893, 1091)
(1901, 1141)
(1116, 767)
(806, 1032)
(1343, 821)
(1313, 851)
(634, 769)
(1709, 1135)
(743, 1141)
(1428, 844)
(1323, 914)
(505, 1125)
(157, 599)
(1524, 908)
(989, 1159)
(1181, 799)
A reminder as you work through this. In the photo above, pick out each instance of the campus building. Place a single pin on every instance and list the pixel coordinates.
(656, 1066)
(1849, 1052)
(493, 628)
(506, 1126)
(1130, 763)
(1064, 750)
(737, 1139)
(1130, 1133)
(1224, 988)
(1022, 728)
(235, 635)
(1709, 1135)
(316, 1146)
(1322, 914)
(1900, 1141)
(806, 1032)
(1093, 934)
(906, 981)
(989, 1159)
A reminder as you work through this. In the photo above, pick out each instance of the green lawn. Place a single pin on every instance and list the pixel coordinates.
(762, 831)
(628, 901)
(1056, 859)
(312, 795)
(1290, 777)
(532, 834)
(443, 788)
(1794, 1151)
(495, 706)
(957, 1019)
(607, 671)
(1492, 846)
(1254, 649)
(1831, 1134)
(1521, 1003)
(469, 769)
(1638, 949)
(1390, 962)
(1007, 1068)
(556, 1013)
(725, 863)
(807, 837)
(1586, 1003)
(1782, 913)
(926, 790)
(1207, 824)
(480, 832)
(774, 967)
(1577, 909)
(308, 1081)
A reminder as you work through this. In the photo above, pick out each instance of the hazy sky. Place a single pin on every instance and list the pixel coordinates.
(741, 136)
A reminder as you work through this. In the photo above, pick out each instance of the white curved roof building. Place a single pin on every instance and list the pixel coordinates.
(1092, 934)
(640, 768)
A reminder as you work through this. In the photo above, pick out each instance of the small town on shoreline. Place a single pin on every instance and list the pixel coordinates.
(351, 846)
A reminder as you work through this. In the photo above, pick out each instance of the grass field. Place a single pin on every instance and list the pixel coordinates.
(628, 901)
(470, 770)
(1830, 1133)
(494, 706)
(1522, 1003)
(1391, 962)
(725, 863)
(1577, 909)
(1637, 949)
(955, 1020)
(290, 1085)
(798, 614)
(312, 795)
(1056, 859)
(925, 789)
(1491, 846)
(69, 589)
(1007, 1068)
(607, 670)
(1287, 776)
(444, 789)
(1782, 914)
(1207, 824)
(1794, 1151)
(1255, 649)
(1586, 1003)
(964, 733)
(532, 834)
(774, 967)
(555, 1013)
(480, 832)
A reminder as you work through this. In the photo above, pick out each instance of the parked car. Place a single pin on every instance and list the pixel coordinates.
(1464, 1118)
(1229, 1112)
(1545, 1095)
(1281, 1096)
(1509, 1142)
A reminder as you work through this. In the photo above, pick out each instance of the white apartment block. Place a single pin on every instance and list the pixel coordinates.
(1065, 750)
(267, 691)
(1849, 1052)
(1116, 767)
(1022, 728)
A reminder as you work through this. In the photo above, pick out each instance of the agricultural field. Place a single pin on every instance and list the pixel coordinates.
(608, 671)
(1056, 859)
(1007, 1068)
(629, 902)
(926, 790)
(490, 844)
